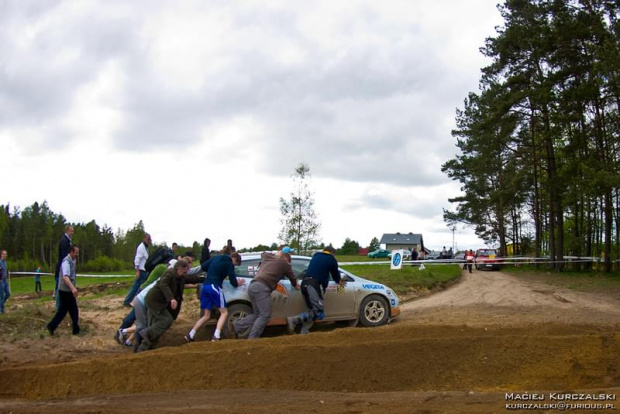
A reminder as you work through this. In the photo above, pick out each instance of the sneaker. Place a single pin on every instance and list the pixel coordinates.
(49, 329)
(214, 339)
(119, 337)
(188, 339)
(290, 325)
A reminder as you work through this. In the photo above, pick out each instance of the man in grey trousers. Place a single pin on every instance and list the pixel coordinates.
(271, 270)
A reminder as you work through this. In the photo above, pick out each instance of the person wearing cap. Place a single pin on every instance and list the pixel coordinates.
(321, 266)
(271, 269)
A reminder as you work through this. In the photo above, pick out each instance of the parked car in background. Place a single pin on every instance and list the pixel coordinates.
(487, 259)
(433, 255)
(360, 301)
(406, 254)
(379, 253)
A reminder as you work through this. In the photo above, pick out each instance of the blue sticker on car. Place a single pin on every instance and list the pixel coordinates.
(373, 287)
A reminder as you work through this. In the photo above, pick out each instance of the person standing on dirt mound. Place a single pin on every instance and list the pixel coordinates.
(272, 268)
(142, 253)
(163, 303)
(313, 286)
(212, 295)
(67, 294)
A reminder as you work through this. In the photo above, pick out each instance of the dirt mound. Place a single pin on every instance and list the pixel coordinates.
(362, 360)
(488, 334)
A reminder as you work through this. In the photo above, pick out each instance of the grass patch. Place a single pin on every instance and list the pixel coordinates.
(581, 281)
(357, 258)
(24, 322)
(25, 284)
(409, 279)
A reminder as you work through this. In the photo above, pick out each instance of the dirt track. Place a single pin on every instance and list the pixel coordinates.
(456, 351)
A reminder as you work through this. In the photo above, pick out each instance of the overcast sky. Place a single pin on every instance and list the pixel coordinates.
(192, 115)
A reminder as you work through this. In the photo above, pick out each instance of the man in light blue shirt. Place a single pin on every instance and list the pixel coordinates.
(67, 292)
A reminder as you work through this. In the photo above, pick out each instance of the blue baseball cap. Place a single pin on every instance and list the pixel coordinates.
(286, 249)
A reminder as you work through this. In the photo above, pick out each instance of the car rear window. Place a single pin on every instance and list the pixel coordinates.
(299, 266)
(248, 268)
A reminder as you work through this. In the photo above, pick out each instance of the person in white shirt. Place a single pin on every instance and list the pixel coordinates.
(142, 253)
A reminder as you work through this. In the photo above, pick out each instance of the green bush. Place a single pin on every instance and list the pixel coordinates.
(103, 264)
(23, 265)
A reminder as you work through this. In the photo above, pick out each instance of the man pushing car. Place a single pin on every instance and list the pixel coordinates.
(313, 286)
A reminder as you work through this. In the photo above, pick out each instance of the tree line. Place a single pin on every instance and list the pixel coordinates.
(31, 237)
(539, 162)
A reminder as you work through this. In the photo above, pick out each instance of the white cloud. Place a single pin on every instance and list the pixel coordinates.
(223, 99)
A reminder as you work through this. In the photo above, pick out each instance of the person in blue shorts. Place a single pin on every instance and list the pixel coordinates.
(212, 295)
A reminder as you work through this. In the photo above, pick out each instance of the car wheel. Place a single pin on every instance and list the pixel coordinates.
(374, 311)
(236, 312)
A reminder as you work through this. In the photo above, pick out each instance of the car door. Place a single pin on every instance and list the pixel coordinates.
(296, 303)
(340, 300)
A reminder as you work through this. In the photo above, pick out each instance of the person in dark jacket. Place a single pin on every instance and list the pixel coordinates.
(163, 303)
(212, 296)
(205, 253)
(321, 266)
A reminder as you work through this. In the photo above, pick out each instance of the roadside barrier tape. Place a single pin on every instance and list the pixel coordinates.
(52, 274)
(501, 261)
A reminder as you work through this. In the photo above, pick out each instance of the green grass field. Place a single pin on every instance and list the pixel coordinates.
(585, 281)
(409, 278)
(25, 284)
(357, 258)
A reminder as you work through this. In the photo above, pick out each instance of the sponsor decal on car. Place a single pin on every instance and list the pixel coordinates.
(373, 287)
(280, 295)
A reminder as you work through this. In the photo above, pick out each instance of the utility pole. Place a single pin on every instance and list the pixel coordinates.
(453, 228)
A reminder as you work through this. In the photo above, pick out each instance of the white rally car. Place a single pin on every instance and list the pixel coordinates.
(360, 301)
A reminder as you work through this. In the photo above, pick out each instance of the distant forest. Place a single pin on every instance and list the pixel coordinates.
(31, 237)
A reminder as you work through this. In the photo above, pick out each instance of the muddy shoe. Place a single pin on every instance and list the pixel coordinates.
(290, 324)
(188, 339)
(50, 330)
(119, 337)
(214, 339)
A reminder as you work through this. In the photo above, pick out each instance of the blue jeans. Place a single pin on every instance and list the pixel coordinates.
(5, 293)
(129, 320)
(135, 287)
